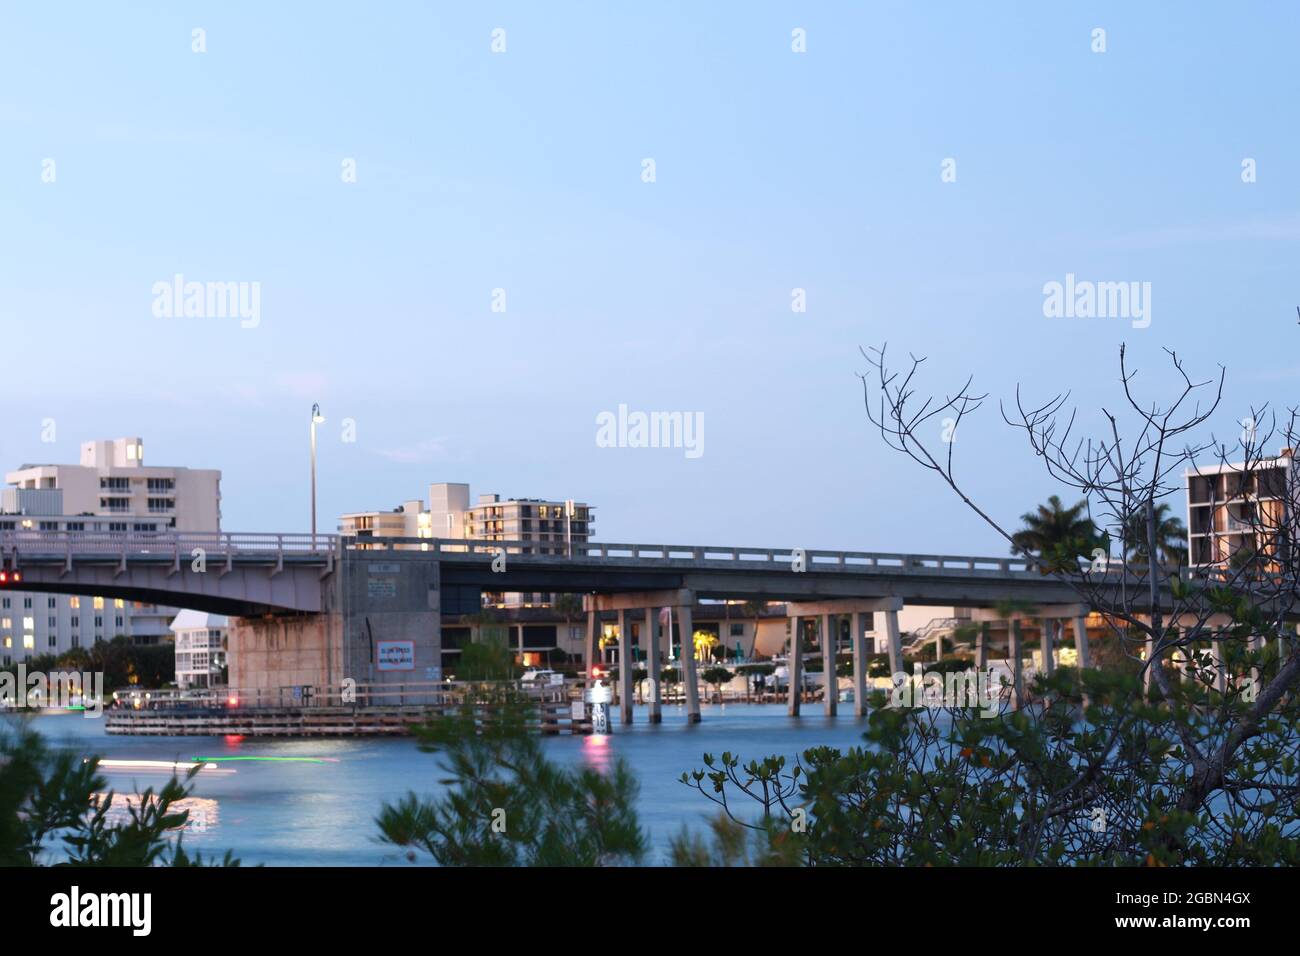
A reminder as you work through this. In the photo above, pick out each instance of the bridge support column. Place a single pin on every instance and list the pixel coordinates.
(1047, 645)
(1017, 663)
(982, 647)
(686, 626)
(795, 668)
(895, 644)
(830, 611)
(653, 664)
(830, 642)
(1081, 641)
(649, 603)
(858, 641)
(626, 665)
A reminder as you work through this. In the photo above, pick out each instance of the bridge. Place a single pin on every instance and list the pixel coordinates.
(315, 609)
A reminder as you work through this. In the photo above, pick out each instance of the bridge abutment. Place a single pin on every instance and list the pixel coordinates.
(380, 624)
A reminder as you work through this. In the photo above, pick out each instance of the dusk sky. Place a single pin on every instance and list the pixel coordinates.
(522, 170)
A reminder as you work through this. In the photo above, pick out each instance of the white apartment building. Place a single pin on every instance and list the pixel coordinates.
(112, 482)
(200, 648)
(1232, 509)
(110, 490)
(548, 523)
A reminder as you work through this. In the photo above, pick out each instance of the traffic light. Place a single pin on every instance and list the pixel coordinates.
(599, 672)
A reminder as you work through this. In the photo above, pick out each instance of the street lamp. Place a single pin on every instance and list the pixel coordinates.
(316, 419)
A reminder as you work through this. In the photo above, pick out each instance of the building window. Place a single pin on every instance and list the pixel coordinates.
(99, 604)
(54, 641)
(51, 603)
(27, 603)
(29, 624)
(54, 622)
(76, 620)
(74, 602)
(29, 642)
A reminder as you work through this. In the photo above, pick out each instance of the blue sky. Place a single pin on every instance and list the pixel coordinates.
(522, 171)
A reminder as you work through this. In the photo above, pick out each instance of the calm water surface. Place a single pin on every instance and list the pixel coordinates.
(322, 814)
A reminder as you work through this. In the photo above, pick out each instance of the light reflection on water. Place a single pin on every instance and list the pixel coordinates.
(307, 814)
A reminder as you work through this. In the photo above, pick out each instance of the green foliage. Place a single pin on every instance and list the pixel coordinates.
(732, 844)
(123, 664)
(568, 606)
(716, 675)
(488, 659)
(1171, 536)
(52, 799)
(1058, 535)
(506, 804)
(1051, 784)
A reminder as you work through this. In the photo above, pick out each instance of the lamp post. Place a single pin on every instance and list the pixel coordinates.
(316, 419)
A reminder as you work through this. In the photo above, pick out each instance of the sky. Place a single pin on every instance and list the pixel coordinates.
(129, 158)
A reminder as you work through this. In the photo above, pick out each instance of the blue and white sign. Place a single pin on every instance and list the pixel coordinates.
(395, 655)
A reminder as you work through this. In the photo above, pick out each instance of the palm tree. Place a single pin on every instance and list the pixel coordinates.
(754, 610)
(568, 606)
(1171, 536)
(1058, 535)
(480, 621)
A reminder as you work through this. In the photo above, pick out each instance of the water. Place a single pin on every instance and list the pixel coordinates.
(322, 814)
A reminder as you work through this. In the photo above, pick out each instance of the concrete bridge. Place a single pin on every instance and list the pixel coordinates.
(314, 610)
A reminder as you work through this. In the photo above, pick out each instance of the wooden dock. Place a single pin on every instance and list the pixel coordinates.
(290, 713)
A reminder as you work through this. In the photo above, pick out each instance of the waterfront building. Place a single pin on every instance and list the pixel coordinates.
(201, 643)
(109, 490)
(549, 525)
(114, 488)
(1235, 509)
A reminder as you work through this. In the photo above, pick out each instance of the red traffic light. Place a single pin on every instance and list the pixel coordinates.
(599, 671)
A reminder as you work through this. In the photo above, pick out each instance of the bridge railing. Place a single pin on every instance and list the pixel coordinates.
(17, 544)
(114, 543)
(615, 551)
